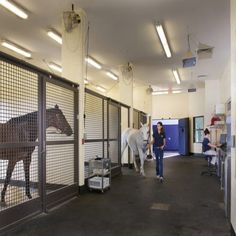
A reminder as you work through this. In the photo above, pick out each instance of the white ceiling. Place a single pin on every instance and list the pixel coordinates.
(123, 31)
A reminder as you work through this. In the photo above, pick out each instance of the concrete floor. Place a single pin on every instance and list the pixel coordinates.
(186, 204)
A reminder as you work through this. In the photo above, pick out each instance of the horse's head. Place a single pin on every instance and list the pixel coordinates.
(145, 131)
(56, 119)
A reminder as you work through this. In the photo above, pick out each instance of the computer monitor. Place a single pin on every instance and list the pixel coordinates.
(223, 138)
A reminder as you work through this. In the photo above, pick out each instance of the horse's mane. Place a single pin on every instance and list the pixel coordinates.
(27, 117)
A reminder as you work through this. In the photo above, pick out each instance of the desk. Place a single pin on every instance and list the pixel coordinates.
(221, 167)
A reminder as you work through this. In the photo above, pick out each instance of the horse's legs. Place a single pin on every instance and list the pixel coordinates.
(27, 162)
(10, 168)
(133, 156)
(141, 157)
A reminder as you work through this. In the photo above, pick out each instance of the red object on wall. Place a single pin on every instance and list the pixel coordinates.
(214, 119)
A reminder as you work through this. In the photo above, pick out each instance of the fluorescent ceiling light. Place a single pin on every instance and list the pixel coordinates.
(177, 91)
(14, 9)
(16, 48)
(176, 75)
(93, 63)
(55, 67)
(159, 92)
(101, 89)
(86, 81)
(163, 40)
(54, 35)
(112, 76)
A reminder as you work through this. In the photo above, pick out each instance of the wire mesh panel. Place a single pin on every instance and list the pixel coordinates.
(24, 120)
(114, 134)
(92, 149)
(136, 122)
(18, 135)
(94, 128)
(143, 118)
(60, 156)
(93, 117)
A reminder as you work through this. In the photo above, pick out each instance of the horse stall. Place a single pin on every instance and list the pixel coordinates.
(136, 119)
(125, 123)
(102, 130)
(38, 140)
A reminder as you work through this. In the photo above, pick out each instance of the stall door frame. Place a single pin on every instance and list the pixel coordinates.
(23, 211)
(116, 170)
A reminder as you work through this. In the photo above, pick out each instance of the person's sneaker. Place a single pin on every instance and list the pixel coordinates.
(161, 179)
(158, 176)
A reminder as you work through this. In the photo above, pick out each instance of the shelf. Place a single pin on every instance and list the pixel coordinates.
(100, 177)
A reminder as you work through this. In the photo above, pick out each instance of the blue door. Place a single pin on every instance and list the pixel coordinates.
(184, 136)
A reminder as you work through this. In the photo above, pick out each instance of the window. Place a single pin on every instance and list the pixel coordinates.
(198, 128)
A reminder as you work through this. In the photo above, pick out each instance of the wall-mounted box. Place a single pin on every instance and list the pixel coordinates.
(220, 109)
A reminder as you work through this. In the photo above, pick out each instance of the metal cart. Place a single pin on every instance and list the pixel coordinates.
(100, 174)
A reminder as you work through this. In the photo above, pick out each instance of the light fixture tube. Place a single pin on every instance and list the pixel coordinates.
(55, 67)
(93, 63)
(176, 75)
(55, 36)
(159, 92)
(176, 91)
(16, 48)
(101, 89)
(112, 76)
(14, 9)
(163, 40)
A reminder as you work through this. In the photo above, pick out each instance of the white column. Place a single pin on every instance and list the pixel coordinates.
(73, 64)
(212, 97)
(126, 97)
(233, 112)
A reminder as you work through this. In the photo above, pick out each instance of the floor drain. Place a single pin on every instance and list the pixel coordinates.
(160, 206)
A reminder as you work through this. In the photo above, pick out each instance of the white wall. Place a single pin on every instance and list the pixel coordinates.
(225, 84)
(196, 107)
(170, 106)
(212, 97)
(142, 100)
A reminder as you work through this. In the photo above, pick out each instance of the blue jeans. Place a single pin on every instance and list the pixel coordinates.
(159, 153)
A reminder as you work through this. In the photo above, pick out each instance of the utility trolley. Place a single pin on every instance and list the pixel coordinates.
(100, 174)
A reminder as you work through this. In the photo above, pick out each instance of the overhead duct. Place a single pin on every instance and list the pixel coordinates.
(192, 90)
(204, 51)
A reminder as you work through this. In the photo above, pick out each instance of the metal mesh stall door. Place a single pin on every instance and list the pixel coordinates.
(18, 136)
(143, 117)
(94, 128)
(61, 164)
(124, 126)
(114, 134)
(136, 122)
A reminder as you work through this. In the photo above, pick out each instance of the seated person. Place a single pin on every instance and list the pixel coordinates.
(209, 148)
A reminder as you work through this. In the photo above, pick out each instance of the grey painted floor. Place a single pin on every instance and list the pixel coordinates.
(186, 204)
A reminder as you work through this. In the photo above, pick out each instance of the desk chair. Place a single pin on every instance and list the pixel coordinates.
(211, 169)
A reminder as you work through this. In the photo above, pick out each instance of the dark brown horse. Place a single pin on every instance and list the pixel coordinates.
(24, 129)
